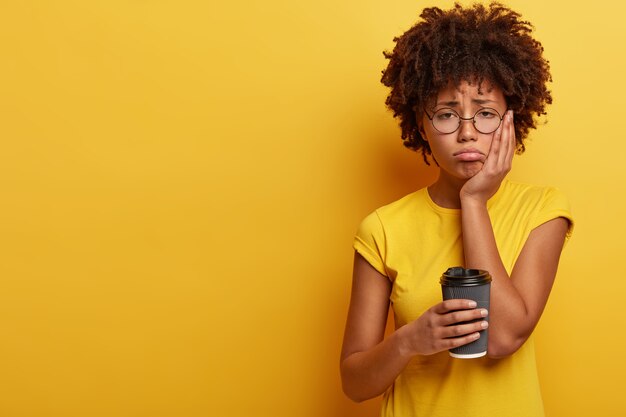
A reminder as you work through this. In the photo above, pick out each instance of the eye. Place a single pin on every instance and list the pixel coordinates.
(446, 114)
(487, 114)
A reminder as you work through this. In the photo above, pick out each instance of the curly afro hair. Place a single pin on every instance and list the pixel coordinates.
(474, 44)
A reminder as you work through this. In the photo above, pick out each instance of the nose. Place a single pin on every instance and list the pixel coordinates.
(467, 131)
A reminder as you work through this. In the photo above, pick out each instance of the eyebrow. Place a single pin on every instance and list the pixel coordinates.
(453, 103)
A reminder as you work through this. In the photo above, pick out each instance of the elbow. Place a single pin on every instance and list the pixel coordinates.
(499, 348)
(353, 387)
(500, 352)
(355, 397)
(353, 392)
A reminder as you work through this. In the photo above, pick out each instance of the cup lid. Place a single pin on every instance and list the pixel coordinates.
(458, 276)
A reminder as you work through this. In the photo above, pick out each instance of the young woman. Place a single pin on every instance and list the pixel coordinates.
(467, 85)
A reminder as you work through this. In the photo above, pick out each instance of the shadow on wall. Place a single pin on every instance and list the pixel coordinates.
(399, 170)
(387, 172)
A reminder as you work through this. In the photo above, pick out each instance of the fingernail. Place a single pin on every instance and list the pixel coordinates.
(484, 324)
(475, 335)
(484, 312)
(472, 304)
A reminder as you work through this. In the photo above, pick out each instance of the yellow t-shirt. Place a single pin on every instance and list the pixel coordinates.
(413, 241)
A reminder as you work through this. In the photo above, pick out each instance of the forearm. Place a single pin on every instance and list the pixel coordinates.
(508, 312)
(369, 373)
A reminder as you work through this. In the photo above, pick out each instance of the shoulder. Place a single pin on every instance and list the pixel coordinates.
(406, 205)
(522, 193)
(539, 203)
(397, 211)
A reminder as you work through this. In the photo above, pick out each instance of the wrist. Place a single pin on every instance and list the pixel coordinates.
(403, 343)
(472, 201)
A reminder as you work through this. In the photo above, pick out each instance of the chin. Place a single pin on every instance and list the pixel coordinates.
(469, 170)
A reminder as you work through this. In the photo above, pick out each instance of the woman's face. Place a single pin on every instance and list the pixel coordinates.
(461, 154)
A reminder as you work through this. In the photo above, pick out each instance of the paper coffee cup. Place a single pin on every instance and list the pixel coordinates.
(470, 284)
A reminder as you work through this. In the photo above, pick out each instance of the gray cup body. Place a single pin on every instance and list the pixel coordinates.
(477, 287)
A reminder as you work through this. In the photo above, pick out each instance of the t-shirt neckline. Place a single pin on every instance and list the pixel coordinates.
(457, 212)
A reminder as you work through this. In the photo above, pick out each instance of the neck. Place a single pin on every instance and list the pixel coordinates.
(445, 191)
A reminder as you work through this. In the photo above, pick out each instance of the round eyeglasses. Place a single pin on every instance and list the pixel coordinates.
(486, 120)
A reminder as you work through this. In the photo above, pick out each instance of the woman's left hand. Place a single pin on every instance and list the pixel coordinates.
(482, 186)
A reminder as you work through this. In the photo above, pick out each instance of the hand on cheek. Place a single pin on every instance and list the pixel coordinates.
(482, 186)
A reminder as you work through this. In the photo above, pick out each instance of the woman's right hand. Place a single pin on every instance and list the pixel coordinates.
(444, 326)
(370, 362)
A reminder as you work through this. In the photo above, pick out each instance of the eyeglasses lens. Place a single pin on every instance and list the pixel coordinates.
(485, 120)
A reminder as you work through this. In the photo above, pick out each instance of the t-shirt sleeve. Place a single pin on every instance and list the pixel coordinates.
(369, 242)
(554, 204)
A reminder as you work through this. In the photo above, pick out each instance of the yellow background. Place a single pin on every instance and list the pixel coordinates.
(181, 181)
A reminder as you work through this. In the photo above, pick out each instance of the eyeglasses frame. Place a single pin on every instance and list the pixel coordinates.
(461, 119)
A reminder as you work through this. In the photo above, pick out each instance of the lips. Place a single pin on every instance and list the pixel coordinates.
(469, 155)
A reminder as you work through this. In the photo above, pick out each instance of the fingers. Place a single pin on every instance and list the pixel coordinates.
(507, 142)
(446, 325)
(453, 305)
(504, 139)
(502, 148)
(463, 329)
(496, 144)
(513, 139)
(459, 311)
(459, 341)
(461, 316)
